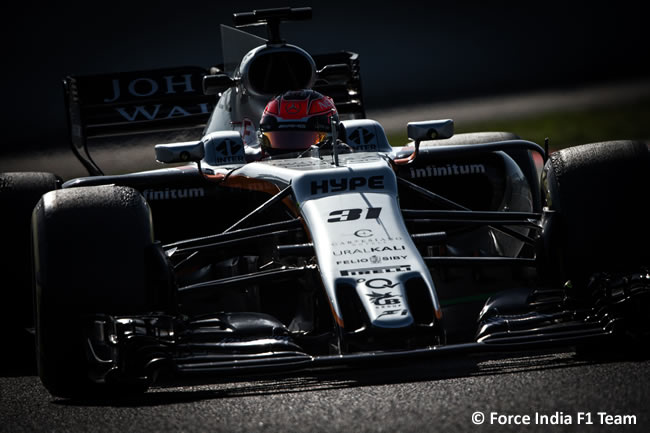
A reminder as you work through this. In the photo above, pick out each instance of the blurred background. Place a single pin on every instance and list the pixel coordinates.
(576, 72)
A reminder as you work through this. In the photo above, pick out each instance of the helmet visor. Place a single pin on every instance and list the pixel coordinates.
(292, 140)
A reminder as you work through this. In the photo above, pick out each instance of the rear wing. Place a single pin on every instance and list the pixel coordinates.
(168, 105)
(123, 105)
(345, 91)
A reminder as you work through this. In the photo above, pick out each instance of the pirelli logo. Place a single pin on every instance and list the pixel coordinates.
(373, 271)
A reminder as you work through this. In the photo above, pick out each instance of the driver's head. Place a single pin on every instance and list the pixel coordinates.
(296, 120)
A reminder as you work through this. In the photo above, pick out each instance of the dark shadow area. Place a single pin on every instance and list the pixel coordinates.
(19, 356)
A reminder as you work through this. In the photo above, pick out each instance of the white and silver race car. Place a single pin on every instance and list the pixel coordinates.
(231, 261)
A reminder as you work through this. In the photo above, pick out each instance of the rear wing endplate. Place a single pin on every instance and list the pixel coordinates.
(346, 92)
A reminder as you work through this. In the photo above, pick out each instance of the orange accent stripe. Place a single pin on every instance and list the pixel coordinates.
(404, 161)
(338, 320)
(253, 184)
(215, 177)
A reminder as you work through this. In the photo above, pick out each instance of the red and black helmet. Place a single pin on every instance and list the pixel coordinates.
(296, 120)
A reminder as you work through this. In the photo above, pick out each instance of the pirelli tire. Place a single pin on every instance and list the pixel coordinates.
(93, 253)
(599, 193)
(19, 193)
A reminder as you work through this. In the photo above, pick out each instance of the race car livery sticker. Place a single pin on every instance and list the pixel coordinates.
(246, 129)
(223, 147)
(363, 242)
(343, 184)
(446, 170)
(384, 295)
(378, 283)
(362, 140)
(373, 176)
(126, 97)
(157, 111)
(173, 193)
(372, 271)
(383, 300)
(393, 312)
(368, 250)
(363, 233)
(363, 237)
(142, 87)
(353, 214)
(228, 151)
(371, 259)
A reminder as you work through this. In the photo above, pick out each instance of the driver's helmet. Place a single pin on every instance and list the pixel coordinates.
(297, 120)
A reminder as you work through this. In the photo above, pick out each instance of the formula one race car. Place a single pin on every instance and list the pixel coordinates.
(290, 234)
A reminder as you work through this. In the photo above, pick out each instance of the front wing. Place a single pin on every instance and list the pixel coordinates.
(128, 348)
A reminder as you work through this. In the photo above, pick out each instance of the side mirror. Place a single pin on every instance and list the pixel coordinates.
(430, 130)
(334, 74)
(427, 130)
(180, 152)
(215, 84)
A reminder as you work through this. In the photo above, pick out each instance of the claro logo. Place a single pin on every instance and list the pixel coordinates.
(346, 184)
(172, 193)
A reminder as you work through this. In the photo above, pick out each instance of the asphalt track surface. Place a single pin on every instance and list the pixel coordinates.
(426, 396)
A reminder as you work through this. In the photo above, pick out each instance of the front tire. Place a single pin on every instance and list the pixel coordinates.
(90, 256)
